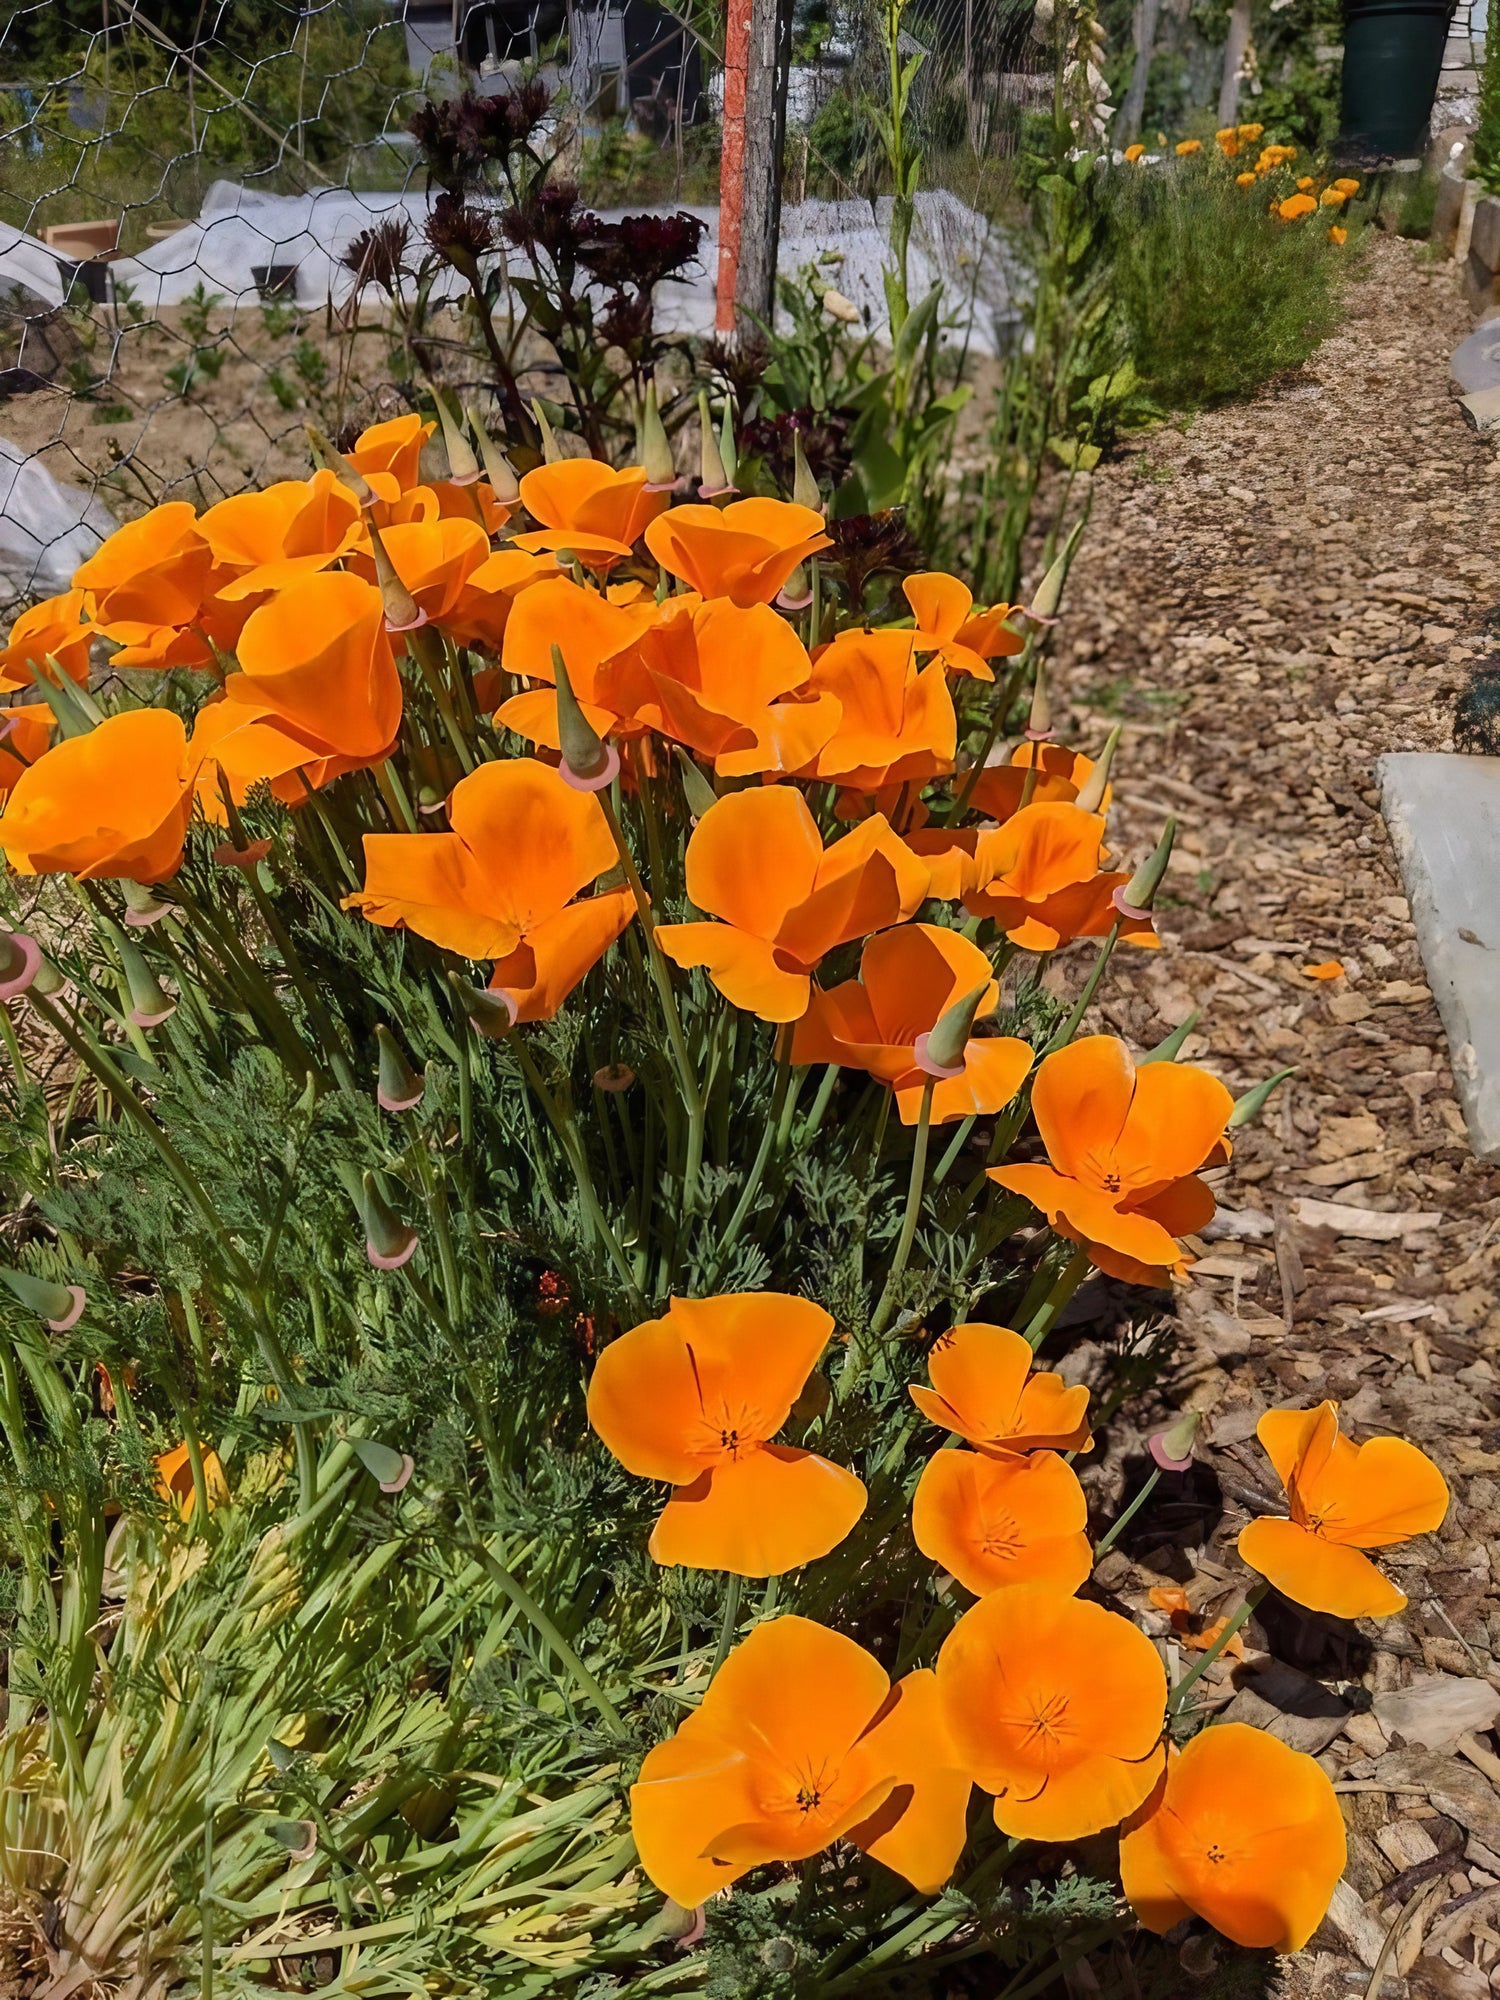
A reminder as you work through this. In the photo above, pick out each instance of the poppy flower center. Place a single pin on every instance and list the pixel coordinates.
(1002, 1538)
(1048, 1722)
(729, 1431)
(809, 1790)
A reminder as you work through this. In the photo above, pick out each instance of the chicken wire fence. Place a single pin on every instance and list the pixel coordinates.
(189, 190)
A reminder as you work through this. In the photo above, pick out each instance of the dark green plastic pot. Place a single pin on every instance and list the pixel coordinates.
(1393, 53)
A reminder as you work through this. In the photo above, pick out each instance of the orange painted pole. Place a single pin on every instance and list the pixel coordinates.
(732, 161)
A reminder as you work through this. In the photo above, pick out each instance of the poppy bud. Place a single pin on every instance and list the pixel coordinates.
(796, 593)
(1249, 1107)
(550, 452)
(712, 478)
(588, 763)
(402, 611)
(20, 961)
(683, 1926)
(58, 1306)
(298, 1836)
(1096, 784)
(76, 711)
(489, 1014)
(1039, 722)
(614, 1076)
(229, 856)
(398, 1087)
(142, 909)
(653, 447)
(1173, 1448)
(463, 466)
(498, 469)
(149, 1005)
(804, 487)
(1139, 893)
(940, 1052)
(328, 455)
(388, 1242)
(728, 448)
(391, 1470)
(1171, 1048)
(696, 789)
(1043, 607)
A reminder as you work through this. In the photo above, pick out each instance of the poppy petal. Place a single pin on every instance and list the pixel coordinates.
(1081, 1099)
(1318, 1574)
(941, 604)
(431, 884)
(921, 1826)
(992, 1522)
(1176, 1115)
(563, 949)
(744, 968)
(689, 1788)
(753, 858)
(762, 1513)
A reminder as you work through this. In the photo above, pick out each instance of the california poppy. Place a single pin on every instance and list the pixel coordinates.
(598, 643)
(493, 589)
(588, 510)
(501, 884)
(265, 540)
(1037, 875)
(25, 732)
(1124, 1146)
(695, 1398)
(800, 1741)
(985, 1389)
(757, 860)
(897, 723)
(997, 1521)
(57, 629)
(1060, 776)
(1189, 1629)
(1242, 1831)
(113, 803)
(908, 978)
(145, 588)
(389, 454)
(745, 551)
(1056, 1706)
(965, 643)
(1185, 148)
(437, 561)
(1295, 207)
(174, 1480)
(1345, 1498)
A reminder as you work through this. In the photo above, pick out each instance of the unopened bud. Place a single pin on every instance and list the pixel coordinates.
(398, 1086)
(390, 1469)
(463, 466)
(402, 611)
(696, 789)
(712, 478)
(613, 1077)
(149, 1005)
(838, 307)
(1249, 1107)
(1171, 1048)
(796, 593)
(1173, 1448)
(550, 450)
(20, 961)
(1096, 784)
(1043, 607)
(728, 445)
(498, 469)
(941, 1051)
(1039, 722)
(388, 1242)
(588, 762)
(1139, 893)
(489, 1014)
(59, 1306)
(328, 455)
(73, 707)
(654, 447)
(804, 487)
(142, 907)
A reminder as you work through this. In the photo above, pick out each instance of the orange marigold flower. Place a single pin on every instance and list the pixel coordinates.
(1228, 141)
(963, 640)
(317, 693)
(745, 551)
(897, 724)
(55, 628)
(1134, 153)
(1186, 148)
(1305, 183)
(1244, 180)
(598, 641)
(800, 1741)
(1332, 197)
(1346, 186)
(1295, 207)
(1124, 1146)
(113, 804)
(174, 1480)
(984, 1390)
(264, 541)
(908, 978)
(1056, 1706)
(587, 509)
(695, 1398)
(501, 884)
(757, 860)
(1345, 1498)
(994, 1522)
(1337, 235)
(1250, 133)
(1242, 1831)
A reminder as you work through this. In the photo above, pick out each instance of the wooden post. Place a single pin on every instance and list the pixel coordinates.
(1128, 125)
(750, 170)
(1234, 56)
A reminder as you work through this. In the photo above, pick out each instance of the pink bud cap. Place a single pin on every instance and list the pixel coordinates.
(1127, 909)
(394, 1262)
(928, 1066)
(152, 913)
(155, 1017)
(402, 1478)
(72, 1317)
(601, 780)
(786, 603)
(399, 1103)
(229, 856)
(26, 972)
(412, 624)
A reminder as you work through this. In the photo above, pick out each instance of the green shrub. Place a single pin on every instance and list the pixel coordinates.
(1214, 295)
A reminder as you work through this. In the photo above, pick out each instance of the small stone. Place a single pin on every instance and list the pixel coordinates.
(1366, 1734)
(1291, 1706)
(1406, 1842)
(1349, 1007)
(1435, 1711)
(1349, 1927)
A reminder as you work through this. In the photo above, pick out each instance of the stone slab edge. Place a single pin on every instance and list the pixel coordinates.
(1443, 814)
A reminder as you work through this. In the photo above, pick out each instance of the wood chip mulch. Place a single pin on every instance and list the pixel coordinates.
(1269, 598)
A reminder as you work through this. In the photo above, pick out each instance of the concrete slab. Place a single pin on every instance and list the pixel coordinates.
(1476, 360)
(1443, 812)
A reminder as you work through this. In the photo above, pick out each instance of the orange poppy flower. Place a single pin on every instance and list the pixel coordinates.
(908, 978)
(1189, 1629)
(145, 588)
(174, 1480)
(392, 451)
(264, 541)
(1135, 153)
(1242, 1831)
(1037, 876)
(1228, 141)
(587, 509)
(598, 642)
(54, 628)
(437, 560)
(25, 733)
(1185, 148)
(1056, 1706)
(112, 804)
(500, 885)
(1345, 1498)
(964, 643)
(317, 693)
(1124, 1147)
(1337, 235)
(994, 1522)
(696, 1398)
(985, 1390)
(757, 860)
(897, 724)
(1061, 775)
(714, 675)
(745, 551)
(1295, 207)
(800, 1741)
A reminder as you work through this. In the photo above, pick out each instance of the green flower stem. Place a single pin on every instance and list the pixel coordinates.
(998, 713)
(772, 1134)
(945, 1165)
(394, 793)
(887, 1306)
(291, 958)
(426, 648)
(734, 1586)
(1190, 1680)
(1085, 999)
(545, 1630)
(1107, 1541)
(1068, 1281)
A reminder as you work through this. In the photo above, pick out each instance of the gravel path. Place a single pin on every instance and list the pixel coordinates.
(1269, 598)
